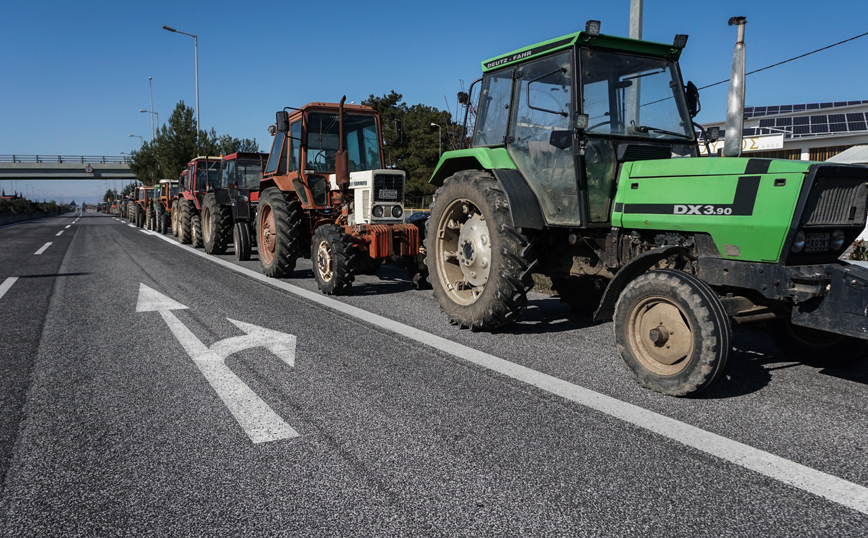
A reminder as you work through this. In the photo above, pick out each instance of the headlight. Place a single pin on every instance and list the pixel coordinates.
(377, 211)
(397, 211)
(799, 242)
(837, 239)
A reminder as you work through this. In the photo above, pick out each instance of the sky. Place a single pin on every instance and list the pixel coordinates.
(75, 74)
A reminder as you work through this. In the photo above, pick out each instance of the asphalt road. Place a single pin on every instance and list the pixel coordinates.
(123, 412)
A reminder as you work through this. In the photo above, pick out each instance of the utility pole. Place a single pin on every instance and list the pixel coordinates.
(635, 19)
(634, 92)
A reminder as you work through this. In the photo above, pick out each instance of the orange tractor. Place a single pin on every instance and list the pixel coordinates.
(325, 191)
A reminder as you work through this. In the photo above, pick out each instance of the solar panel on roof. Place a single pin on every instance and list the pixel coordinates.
(813, 106)
(826, 105)
(838, 127)
(841, 103)
(819, 119)
(836, 118)
(773, 110)
(799, 107)
(821, 128)
(801, 129)
(783, 122)
(801, 120)
(786, 108)
(858, 126)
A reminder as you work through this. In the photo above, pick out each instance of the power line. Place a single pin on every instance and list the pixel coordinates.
(790, 60)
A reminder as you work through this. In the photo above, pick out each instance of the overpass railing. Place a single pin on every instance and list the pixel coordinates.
(81, 159)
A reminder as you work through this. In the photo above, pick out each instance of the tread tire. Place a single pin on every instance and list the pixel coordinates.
(216, 225)
(513, 257)
(668, 294)
(185, 222)
(333, 258)
(241, 239)
(279, 233)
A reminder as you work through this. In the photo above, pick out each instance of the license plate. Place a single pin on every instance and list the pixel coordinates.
(817, 242)
(388, 194)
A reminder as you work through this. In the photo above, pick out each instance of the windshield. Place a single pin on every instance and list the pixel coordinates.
(243, 173)
(633, 96)
(361, 139)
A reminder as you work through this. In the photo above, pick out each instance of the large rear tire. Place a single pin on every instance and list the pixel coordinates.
(241, 239)
(673, 332)
(196, 230)
(814, 347)
(279, 232)
(185, 223)
(333, 259)
(176, 218)
(216, 225)
(480, 265)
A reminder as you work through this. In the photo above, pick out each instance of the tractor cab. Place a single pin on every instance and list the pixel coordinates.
(569, 111)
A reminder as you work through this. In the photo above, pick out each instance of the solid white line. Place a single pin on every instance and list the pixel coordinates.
(765, 463)
(43, 249)
(4, 287)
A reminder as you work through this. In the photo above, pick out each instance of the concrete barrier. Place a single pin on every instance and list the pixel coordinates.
(11, 218)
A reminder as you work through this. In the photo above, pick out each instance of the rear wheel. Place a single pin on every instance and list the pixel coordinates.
(278, 233)
(333, 259)
(152, 223)
(241, 238)
(140, 217)
(815, 347)
(196, 230)
(672, 332)
(185, 222)
(216, 225)
(480, 265)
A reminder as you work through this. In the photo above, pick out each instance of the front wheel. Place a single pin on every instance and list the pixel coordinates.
(333, 260)
(176, 215)
(196, 230)
(480, 265)
(241, 239)
(672, 332)
(185, 222)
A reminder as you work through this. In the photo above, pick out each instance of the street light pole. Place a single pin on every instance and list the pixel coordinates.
(196, 51)
(151, 94)
(152, 113)
(439, 139)
(141, 140)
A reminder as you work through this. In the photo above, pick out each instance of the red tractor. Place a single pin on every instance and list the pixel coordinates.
(164, 197)
(229, 207)
(200, 173)
(325, 192)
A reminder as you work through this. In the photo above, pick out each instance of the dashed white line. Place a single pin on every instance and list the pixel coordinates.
(816, 482)
(43, 249)
(69, 225)
(4, 287)
(59, 233)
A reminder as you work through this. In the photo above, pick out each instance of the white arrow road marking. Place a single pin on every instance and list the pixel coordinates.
(4, 287)
(43, 249)
(255, 417)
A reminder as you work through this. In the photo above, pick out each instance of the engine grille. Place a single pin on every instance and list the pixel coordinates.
(837, 201)
(389, 188)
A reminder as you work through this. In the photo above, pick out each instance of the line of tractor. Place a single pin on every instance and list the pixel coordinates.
(583, 165)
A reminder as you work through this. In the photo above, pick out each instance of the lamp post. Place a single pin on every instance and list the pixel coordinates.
(141, 140)
(152, 113)
(196, 51)
(439, 139)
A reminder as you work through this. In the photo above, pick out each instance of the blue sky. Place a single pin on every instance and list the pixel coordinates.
(75, 74)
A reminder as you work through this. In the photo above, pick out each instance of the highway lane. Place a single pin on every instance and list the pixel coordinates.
(121, 431)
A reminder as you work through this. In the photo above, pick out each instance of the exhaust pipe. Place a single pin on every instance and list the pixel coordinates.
(735, 103)
(342, 158)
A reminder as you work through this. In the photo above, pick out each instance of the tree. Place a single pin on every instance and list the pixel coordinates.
(176, 143)
(418, 152)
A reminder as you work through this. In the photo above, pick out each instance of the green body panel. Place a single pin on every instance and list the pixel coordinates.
(700, 196)
(482, 158)
(582, 39)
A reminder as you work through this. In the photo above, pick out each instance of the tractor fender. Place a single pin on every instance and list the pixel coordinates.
(635, 267)
(523, 204)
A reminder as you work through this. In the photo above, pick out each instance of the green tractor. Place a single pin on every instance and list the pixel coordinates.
(584, 166)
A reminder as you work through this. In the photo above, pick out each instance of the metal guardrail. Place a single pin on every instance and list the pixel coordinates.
(80, 159)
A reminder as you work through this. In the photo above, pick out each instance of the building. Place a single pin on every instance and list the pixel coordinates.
(808, 132)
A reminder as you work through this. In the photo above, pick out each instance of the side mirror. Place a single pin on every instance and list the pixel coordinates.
(282, 121)
(463, 98)
(692, 94)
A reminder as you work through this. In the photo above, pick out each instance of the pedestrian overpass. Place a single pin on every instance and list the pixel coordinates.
(60, 167)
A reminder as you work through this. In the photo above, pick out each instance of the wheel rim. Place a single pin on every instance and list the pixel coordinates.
(206, 224)
(267, 235)
(661, 337)
(464, 251)
(325, 261)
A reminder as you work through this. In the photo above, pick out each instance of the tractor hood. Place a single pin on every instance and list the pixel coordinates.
(709, 166)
